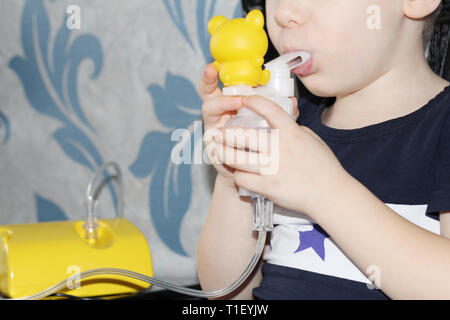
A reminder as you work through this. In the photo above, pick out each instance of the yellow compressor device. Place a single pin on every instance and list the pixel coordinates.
(34, 257)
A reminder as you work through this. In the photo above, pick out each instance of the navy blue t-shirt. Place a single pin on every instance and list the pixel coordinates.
(405, 162)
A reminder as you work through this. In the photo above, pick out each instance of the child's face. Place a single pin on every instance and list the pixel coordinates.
(348, 50)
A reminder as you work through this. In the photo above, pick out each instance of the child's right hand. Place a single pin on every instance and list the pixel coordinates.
(217, 109)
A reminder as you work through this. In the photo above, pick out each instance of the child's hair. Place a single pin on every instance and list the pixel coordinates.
(437, 47)
(430, 21)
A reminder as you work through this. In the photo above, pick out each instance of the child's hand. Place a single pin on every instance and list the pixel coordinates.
(307, 168)
(217, 109)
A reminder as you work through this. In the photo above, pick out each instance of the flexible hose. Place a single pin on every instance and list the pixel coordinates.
(262, 222)
(163, 284)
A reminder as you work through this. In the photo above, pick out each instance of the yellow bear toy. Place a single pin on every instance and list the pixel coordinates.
(238, 47)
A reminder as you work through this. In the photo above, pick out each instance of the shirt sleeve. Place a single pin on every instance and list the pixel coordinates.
(440, 198)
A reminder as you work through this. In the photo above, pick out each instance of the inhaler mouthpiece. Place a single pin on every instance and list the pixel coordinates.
(282, 66)
(281, 84)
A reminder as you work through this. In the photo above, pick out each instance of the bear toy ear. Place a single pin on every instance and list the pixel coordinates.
(255, 18)
(216, 22)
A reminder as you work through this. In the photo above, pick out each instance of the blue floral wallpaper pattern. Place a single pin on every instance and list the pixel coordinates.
(48, 69)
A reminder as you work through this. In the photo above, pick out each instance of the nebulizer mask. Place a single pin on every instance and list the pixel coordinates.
(111, 256)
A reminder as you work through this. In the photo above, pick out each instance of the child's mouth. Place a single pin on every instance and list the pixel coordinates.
(295, 62)
(305, 69)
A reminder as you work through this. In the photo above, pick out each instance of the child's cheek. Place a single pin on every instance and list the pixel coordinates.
(274, 36)
(348, 55)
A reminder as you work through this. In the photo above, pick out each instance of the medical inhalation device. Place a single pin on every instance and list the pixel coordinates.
(238, 47)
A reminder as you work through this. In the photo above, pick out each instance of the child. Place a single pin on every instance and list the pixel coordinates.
(360, 175)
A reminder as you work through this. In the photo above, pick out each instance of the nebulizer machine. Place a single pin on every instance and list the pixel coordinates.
(111, 256)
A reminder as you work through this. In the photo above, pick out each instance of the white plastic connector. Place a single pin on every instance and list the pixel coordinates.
(281, 84)
(262, 214)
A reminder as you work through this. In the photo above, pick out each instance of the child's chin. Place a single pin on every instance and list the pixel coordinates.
(320, 87)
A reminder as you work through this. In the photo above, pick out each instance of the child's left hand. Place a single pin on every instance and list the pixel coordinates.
(307, 169)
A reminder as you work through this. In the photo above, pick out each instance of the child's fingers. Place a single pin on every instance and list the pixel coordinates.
(241, 160)
(276, 117)
(208, 85)
(252, 139)
(219, 105)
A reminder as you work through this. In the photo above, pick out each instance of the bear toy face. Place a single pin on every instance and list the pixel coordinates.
(238, 39)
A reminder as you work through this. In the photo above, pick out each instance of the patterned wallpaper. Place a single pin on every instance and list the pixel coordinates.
(85, 82)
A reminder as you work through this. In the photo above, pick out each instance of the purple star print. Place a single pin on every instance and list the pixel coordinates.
(315, 239)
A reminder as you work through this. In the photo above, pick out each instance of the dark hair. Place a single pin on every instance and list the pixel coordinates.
(437, 49)
(249, 5)
(430, 21)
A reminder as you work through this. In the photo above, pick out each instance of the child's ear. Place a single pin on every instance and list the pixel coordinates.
(256, 19)
(216, 22)
(418, 9)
